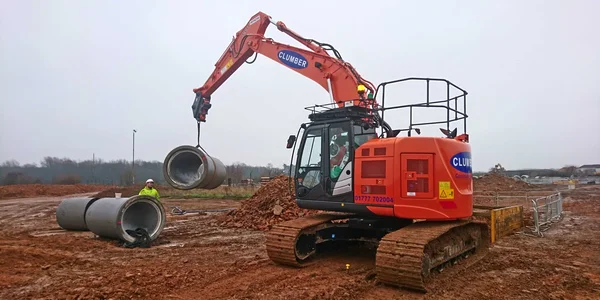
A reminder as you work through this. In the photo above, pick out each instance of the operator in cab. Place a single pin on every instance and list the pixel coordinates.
(150, 190)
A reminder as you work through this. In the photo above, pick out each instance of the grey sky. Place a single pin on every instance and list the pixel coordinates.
(77, 76)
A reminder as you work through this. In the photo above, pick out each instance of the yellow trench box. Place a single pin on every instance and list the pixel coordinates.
(502, 221)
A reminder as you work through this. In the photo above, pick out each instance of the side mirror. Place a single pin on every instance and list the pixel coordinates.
(290, 141)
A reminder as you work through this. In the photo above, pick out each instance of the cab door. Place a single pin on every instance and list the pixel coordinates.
(340, 155)
(310, 164)
(324, 164)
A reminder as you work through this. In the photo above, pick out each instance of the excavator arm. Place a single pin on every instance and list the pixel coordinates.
(336, 76)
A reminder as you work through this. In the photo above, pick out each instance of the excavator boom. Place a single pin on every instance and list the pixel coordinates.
(336, 76)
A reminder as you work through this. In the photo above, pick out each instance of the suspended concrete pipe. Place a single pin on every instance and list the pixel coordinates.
(70, 213)
(187, 167)
(111, 217)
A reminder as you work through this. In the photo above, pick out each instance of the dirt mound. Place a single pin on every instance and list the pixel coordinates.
(271, 204)
(35, 190)
(499, 182)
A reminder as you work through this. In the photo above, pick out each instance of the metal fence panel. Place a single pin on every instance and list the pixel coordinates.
(546, 211)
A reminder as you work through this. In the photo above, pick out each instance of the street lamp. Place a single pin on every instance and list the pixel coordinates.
(133, 160)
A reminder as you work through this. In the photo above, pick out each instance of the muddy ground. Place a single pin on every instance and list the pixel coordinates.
(196, 259)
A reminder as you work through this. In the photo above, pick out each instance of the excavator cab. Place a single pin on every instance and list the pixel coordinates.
(324, 159)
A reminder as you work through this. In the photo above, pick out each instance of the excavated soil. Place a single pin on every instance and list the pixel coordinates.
(495, 189)
(273, 203)
(196, 258)
(499, 182)
(34, 190)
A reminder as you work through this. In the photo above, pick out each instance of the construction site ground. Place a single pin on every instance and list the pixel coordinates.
(197, 258)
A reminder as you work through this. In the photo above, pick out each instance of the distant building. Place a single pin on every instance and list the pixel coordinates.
(590, 169)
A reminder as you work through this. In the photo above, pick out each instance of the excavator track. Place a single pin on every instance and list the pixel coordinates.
(406, 257)
(293, 243)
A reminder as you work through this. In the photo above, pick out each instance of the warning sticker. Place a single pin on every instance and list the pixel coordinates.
(444, 185)
(445, 192)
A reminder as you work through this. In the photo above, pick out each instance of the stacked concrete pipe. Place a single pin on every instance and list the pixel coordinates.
(187, 167)
(184, 168)
(70, 213)
(112, 217)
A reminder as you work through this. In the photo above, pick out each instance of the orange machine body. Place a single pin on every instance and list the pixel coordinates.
(415, 178)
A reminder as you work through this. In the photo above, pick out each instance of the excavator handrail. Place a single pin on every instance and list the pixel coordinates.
(459, 114)
(383, 84)
(428, 103)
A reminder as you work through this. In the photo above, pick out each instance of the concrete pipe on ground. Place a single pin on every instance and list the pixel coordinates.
(187, 167)
(70, 213)
(111, 217)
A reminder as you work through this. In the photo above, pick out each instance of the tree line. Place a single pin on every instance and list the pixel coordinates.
(54, 170)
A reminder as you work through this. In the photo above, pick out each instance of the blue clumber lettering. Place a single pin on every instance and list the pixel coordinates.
(292, 59)
(462, 162)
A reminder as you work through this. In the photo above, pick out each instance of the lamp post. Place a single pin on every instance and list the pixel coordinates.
(133, 160)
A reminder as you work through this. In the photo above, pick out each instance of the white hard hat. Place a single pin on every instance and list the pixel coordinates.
(149, 180)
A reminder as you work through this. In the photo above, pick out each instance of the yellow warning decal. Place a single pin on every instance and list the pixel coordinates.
(445, 192)
(227, 66)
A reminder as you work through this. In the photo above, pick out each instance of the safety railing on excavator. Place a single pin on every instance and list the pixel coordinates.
(455, 106)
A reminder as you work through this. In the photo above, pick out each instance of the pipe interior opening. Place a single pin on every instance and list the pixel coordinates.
(185, 168)
(142, 214)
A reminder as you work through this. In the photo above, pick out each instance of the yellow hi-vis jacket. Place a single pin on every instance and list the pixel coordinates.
(150, 192)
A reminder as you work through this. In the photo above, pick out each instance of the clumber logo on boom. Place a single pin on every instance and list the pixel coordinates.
(292, 59)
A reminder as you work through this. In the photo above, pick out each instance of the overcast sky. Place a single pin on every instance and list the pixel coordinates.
(76, 77)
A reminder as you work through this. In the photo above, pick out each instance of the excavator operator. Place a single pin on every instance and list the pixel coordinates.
(338, 151)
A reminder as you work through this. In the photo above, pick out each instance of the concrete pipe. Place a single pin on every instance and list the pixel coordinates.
(111, 217)
(70, 213)
(187, 167)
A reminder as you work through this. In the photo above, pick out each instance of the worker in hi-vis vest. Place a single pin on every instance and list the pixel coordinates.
(150, 190)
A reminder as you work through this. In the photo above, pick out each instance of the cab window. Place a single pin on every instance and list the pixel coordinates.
(362, 135)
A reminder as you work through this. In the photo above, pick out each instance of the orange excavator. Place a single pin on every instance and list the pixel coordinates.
(409, 195)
